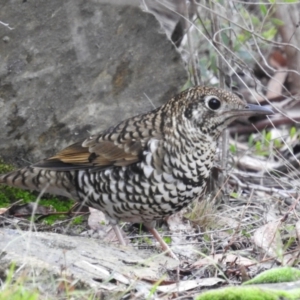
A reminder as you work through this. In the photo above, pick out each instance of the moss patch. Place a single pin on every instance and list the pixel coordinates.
(9, 195)
(78, 220)
(5, 168)
(248, 293)
(285, 274)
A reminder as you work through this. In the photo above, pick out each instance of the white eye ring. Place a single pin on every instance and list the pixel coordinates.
(212, 102)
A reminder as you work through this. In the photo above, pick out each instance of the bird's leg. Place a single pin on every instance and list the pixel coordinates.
(162, 243)
(119, 235)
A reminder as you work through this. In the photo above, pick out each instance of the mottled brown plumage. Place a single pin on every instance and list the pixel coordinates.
(146, 167)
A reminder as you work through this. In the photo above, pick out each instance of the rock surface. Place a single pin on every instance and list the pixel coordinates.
(71, 68)
(96, 265)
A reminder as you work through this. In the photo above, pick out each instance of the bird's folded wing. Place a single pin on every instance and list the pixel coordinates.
(96, 154)
(117, 146)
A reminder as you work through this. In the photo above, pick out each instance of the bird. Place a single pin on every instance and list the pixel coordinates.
(147, 167)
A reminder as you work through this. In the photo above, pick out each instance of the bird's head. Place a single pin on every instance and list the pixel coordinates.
(211, 110)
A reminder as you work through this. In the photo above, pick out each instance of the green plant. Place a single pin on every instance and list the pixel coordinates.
(293, 132)
(77, 220)
(232, 148)
(15, 289)
(167, 239)
(262, 145)
(234, 195)
(9, 195)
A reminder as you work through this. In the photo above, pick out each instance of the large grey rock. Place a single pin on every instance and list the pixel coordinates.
(71, 68)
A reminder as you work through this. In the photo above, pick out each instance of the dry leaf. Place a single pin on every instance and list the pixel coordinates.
(275, 84)
(268, 238)
(189, 284)
(3, 210)
(225, 258)
(255, 164)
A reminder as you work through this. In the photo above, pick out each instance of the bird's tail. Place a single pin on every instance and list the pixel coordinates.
(45, 181)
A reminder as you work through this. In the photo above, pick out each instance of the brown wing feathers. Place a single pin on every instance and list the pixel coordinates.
(119, 146)
(100, 154)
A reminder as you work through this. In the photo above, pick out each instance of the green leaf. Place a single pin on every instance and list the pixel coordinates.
(277, 22)
(255, 20)
(154, 287)
(268, 136)
(263, 9)
(258, 146)
(289, 242)
(234, 195)
(277, 143)
(269, 34)
(262, 153)
(245, 233)
(293, 132)
(232, 148)
(167, 239)
(225, 38)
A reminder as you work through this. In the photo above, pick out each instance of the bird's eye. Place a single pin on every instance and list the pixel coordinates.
(213, 103)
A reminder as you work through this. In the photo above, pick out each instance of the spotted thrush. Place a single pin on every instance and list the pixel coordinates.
(147, 167)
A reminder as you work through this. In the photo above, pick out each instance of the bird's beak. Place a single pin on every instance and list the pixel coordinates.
(253, 110)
